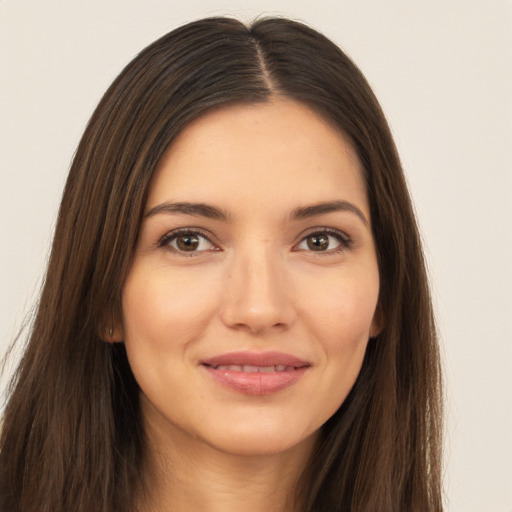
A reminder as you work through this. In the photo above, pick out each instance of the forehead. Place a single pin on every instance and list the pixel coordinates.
(275, 153)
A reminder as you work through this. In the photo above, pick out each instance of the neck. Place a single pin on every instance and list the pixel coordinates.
(185, 475)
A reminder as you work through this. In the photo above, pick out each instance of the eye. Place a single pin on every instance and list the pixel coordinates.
(187, 242)
(324, 241)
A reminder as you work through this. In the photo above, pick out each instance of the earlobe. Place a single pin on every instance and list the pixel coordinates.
(377, 325)
(374, 332)
(112, 334)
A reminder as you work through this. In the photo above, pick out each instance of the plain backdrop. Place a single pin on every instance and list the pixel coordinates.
(443, 73)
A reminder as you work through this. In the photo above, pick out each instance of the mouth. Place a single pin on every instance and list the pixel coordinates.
(256, 373)
(246, 368)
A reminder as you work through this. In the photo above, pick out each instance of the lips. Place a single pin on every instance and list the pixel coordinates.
(256, 373)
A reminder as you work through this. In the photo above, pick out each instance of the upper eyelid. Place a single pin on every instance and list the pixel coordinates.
(195, 231)
(324, 229)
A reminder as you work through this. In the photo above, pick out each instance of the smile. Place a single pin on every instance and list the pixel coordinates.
(254, 369)
(256, 373)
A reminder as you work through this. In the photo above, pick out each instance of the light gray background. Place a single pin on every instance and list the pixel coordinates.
(442, 71)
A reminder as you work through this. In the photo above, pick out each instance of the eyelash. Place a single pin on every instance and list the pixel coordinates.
(173, 235)
(345, 242)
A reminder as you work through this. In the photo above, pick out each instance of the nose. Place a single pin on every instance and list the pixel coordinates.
(257, 296)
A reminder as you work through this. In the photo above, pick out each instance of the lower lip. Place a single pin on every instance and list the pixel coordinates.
(264, 383)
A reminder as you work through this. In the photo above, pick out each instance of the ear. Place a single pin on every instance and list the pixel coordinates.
(112, 333)
(378, 322)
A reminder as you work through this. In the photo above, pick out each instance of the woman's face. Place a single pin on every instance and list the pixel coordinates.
(253, 289)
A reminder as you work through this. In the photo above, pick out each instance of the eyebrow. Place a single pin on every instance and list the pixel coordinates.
(304, 212)
(212, 212)
(196, 209)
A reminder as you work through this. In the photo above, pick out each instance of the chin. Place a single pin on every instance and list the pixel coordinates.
(260, 441)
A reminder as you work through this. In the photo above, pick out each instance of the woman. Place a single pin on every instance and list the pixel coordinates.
(236, 313)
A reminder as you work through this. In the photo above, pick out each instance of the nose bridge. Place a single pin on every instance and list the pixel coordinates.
(256, 296)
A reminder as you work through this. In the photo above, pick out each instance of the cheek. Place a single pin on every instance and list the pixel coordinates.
(341, 312)
(338, 314)
(164, 308)
(341, 316)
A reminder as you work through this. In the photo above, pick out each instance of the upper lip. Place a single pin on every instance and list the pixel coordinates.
(263, 359)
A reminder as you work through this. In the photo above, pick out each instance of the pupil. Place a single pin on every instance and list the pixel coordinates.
(188, 242)
(318, 242)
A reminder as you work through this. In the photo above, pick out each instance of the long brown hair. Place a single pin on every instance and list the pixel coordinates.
(71, 436)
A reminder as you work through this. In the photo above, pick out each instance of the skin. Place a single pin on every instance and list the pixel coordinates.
(255, 282)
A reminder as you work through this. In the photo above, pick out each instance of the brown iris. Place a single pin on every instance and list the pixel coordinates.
(318, 242)
(188, 242)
